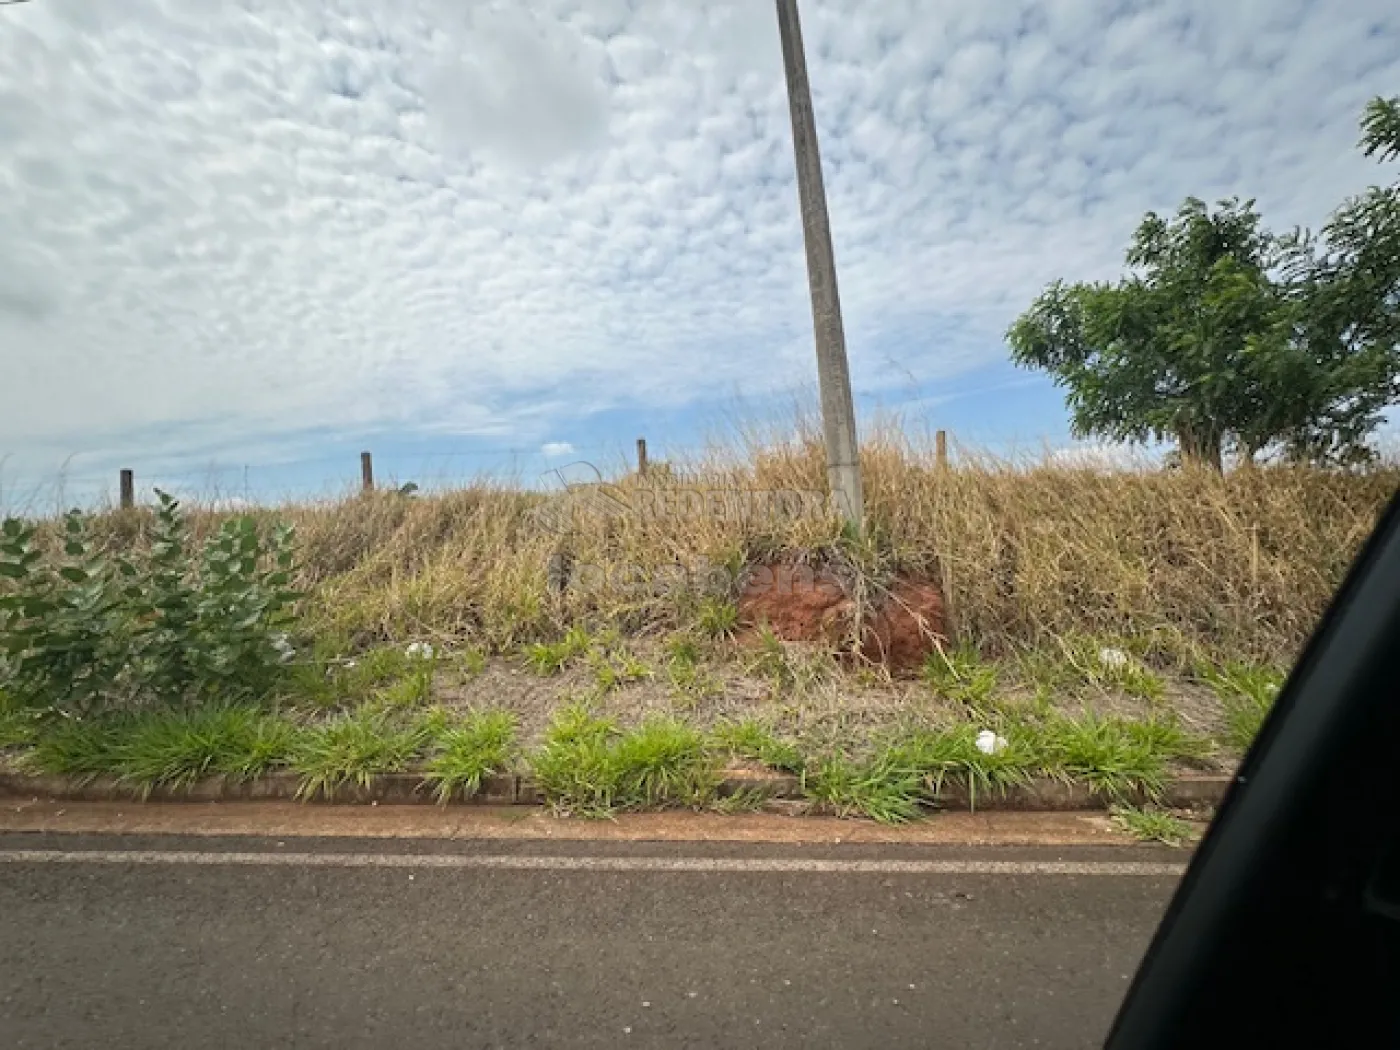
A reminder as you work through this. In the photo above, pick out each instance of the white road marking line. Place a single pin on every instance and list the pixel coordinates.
(595, 863)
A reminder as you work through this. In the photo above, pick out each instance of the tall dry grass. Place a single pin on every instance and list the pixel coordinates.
(1028, 552)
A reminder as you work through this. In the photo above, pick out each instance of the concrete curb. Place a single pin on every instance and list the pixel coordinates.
(1039, 795)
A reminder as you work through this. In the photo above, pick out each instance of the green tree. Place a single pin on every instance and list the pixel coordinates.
(1346, 284)
(1225, 338)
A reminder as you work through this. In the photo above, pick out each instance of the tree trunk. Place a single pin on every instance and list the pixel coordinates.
(1199, 446)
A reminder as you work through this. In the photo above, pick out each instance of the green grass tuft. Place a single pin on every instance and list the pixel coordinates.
(683, 649)
(769, 658)
(415, 689)
(961, 675)
(716, 618)
(1114, 757)
(353, 748)
(589, 767)
(665, 762)
(749, 738)
(78, 747)
(951, 756)
(1149, 824)
(471, 661)
(478, 747)
(575, 766)
(880, 789)
(19, 724)
(746, 800)
(1164, 734)
(386, 674)
(549, 658)
(1247, 693)
(178, 748)
(615, 668)
(691, 683)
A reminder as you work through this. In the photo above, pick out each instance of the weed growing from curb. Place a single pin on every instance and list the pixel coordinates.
(665, 762)
(1152, 825)
(575, 767)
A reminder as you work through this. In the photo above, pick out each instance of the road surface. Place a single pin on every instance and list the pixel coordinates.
(194, 942)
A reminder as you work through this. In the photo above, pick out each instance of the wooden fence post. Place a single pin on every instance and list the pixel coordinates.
(940, 449)
(366, 472)
(128, 489)
(642, 456)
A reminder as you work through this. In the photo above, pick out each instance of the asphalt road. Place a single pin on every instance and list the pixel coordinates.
(197, 942)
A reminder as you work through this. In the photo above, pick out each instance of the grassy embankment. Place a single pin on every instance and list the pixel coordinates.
(1110, 627)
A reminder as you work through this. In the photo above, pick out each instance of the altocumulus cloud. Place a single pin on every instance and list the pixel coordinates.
(229, 226)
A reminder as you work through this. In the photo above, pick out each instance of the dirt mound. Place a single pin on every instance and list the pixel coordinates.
(805, 603)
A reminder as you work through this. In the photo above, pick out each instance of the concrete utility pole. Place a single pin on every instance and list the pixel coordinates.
(833, 373)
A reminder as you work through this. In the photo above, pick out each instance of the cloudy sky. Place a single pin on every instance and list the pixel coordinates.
(264, 234)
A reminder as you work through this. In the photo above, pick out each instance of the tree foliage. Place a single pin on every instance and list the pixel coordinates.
(1226, 338)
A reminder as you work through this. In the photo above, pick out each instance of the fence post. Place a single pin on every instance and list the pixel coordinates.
(642, 456)
(940, 449)
(128, 489)
(366, 472)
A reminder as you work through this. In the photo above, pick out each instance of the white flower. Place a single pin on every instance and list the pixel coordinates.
(990, 743)
(349, 665)
(1113, 659)
(419, 651)
(285, 653)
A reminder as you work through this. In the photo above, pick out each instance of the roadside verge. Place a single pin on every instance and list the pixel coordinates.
(782, 791)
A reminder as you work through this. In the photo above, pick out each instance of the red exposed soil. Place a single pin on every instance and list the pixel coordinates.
(801, 603)
(901, 631)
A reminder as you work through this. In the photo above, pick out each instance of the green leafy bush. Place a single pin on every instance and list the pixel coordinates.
(64, 624)
(216, 625)
(81, 627)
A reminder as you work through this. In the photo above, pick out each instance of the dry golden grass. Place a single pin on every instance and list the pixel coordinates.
(1186, 563)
